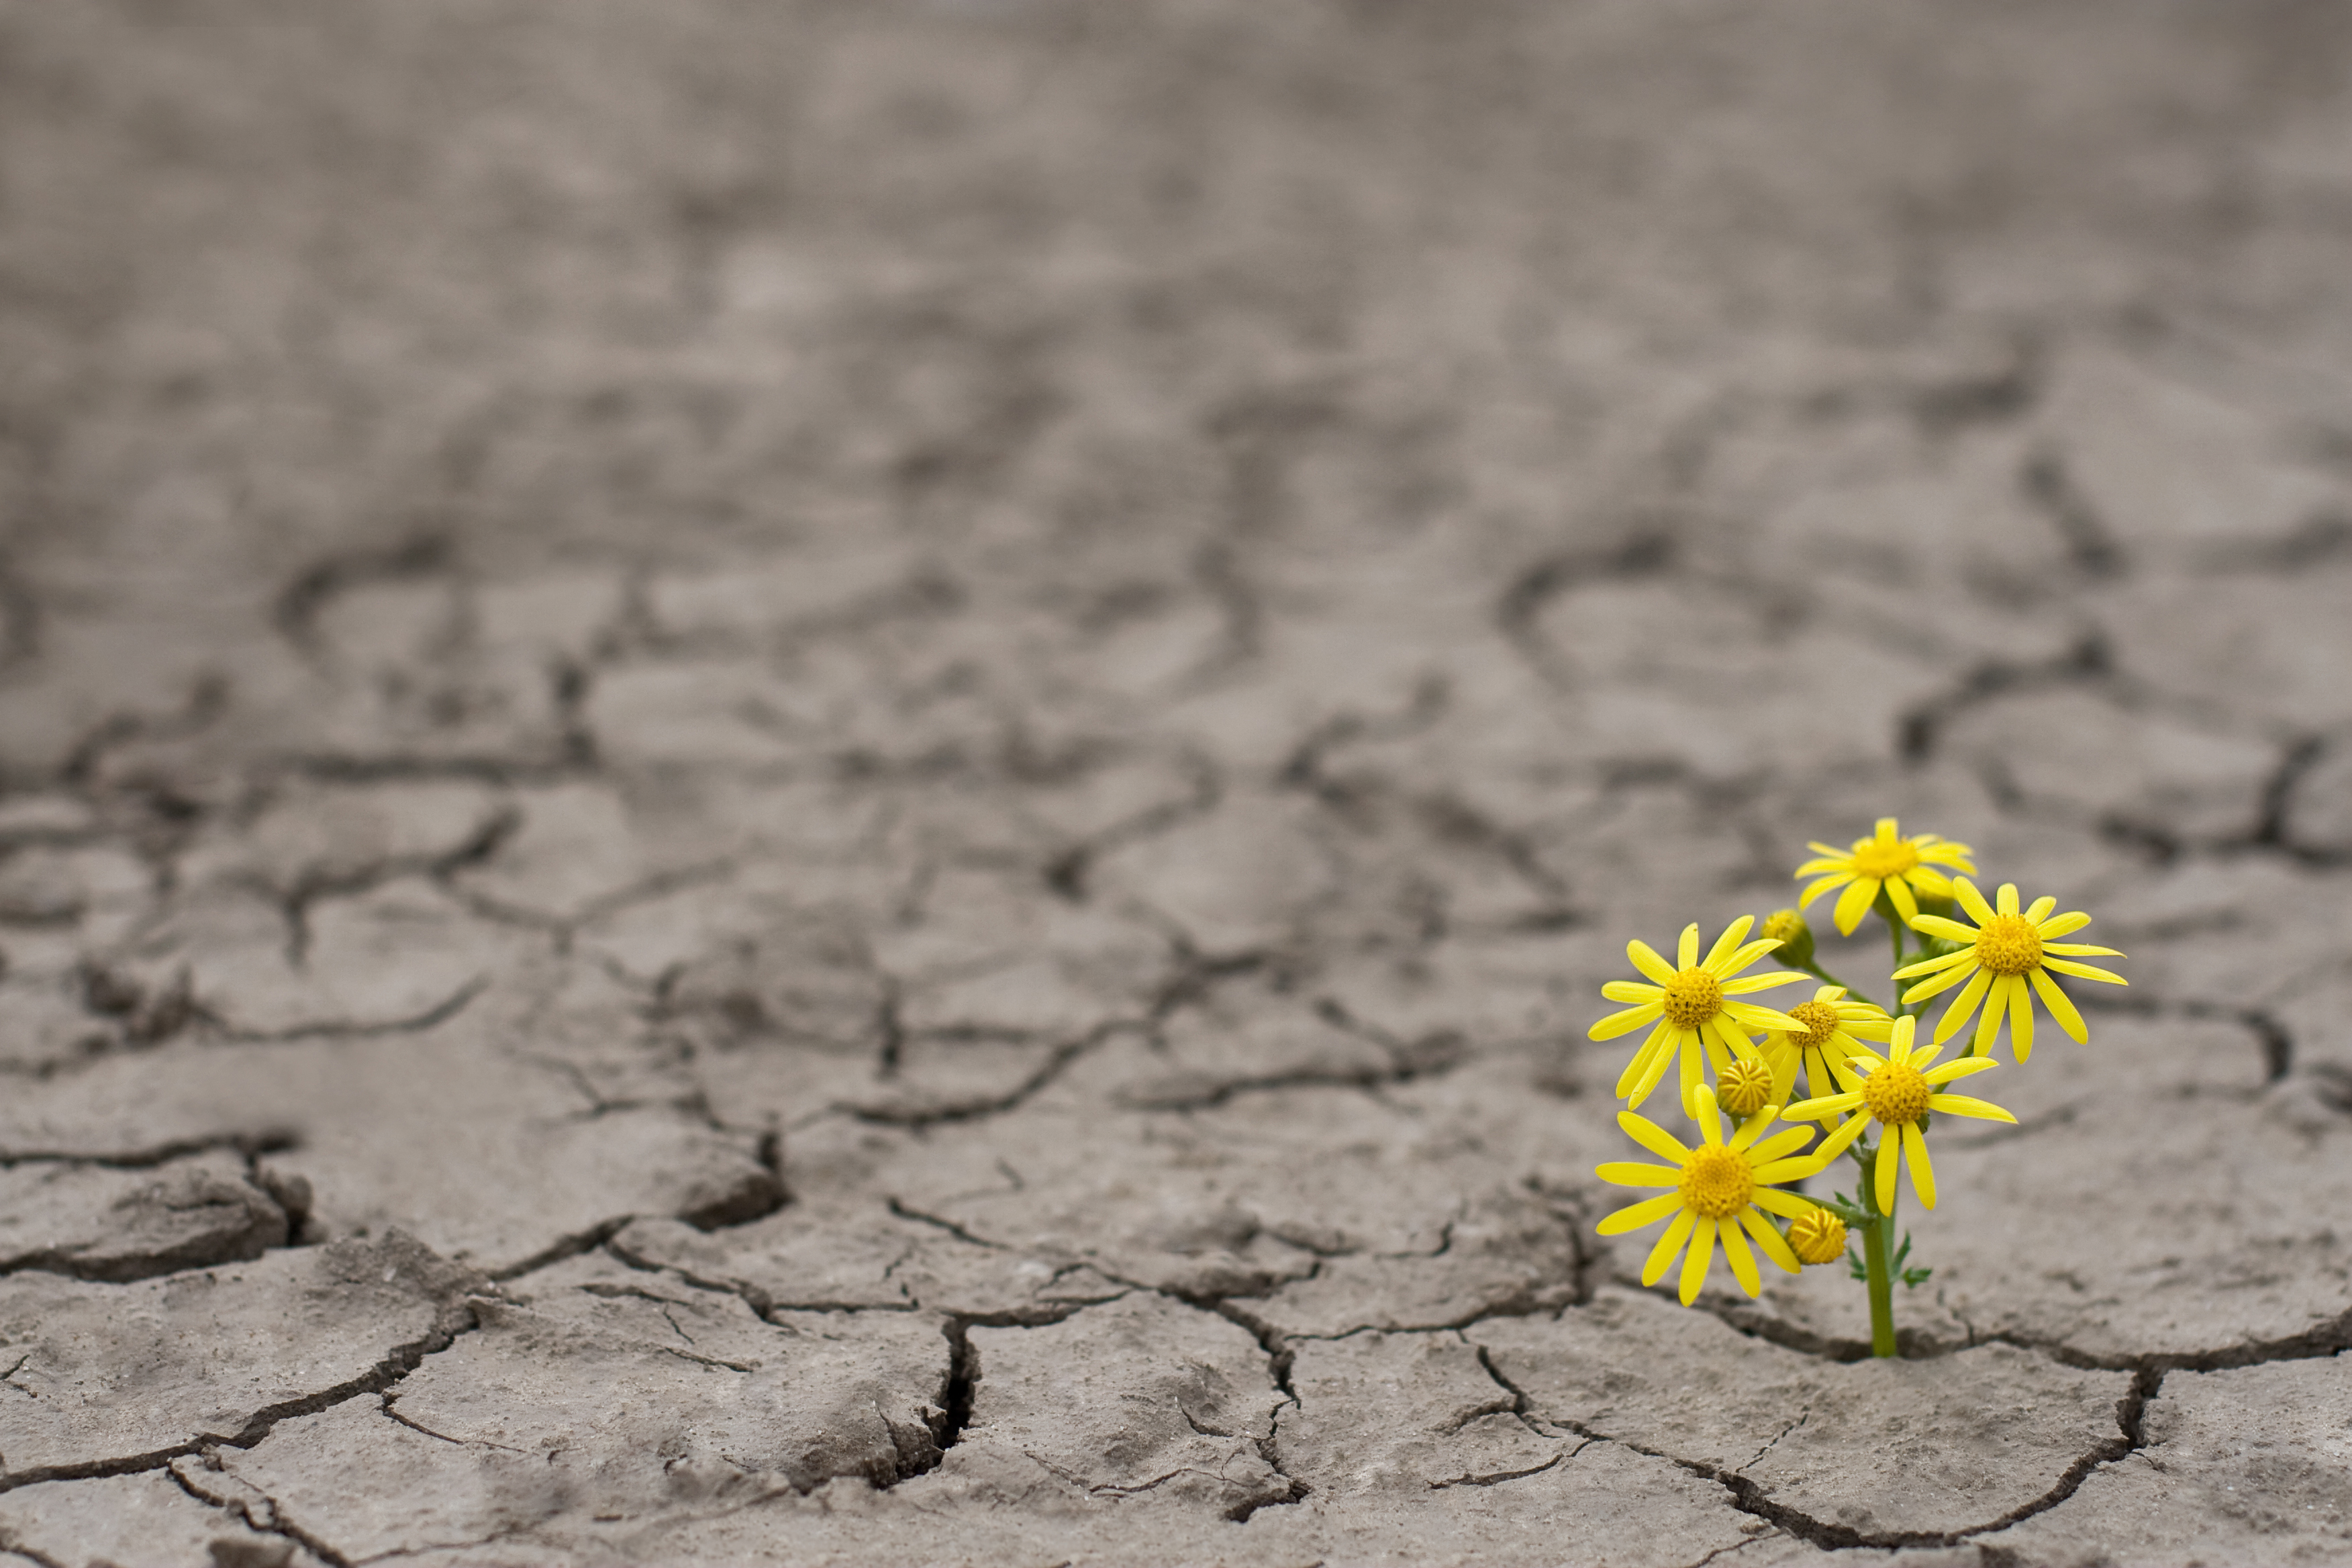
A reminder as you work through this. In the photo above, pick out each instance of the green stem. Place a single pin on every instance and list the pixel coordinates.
(1878, 1261)
(1887, 912)
(1823, 975)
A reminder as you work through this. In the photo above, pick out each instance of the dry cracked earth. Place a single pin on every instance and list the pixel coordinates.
(845, 782)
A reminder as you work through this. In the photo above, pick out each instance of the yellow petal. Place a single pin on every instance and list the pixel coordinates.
(1733, 962)
(1855, 903)
(2063, 925)
(1662, 1255)
(1649, 1211)
(1626, 1022)
(1661, 1057)
(2082, 949)
(1905, 904)
(1972, 901)
(1964, 1004)
(1733, 935)
(1883, 1173)
(1837, 1141)
(1652, 1137)
(1923, 1170)
(1634, 1173)
(1789, 1170)
(1686, 949)
(1928, 882)
(1747, 983)
(1633, 991)
(1838, 879)
(1769, 1241)
(1709, 1119)
(1950, 930)
(2083, 971)
(1762, 1151)
(2039, 911)
(1937, 984)
(1967, 1105)
(2062, 1007)
(1756, 1016)
(1787, 1206)
(1743, 1262)
(2021, 1017)
(1996, 1004)
(1630, 1082)
(1645, 958)
(1695, 1261)
(1959, 1068)
(2007, 899)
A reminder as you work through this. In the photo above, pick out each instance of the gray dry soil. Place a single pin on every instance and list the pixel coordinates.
(833, 782)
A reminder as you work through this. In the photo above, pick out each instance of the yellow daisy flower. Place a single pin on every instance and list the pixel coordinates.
(1691, 1008)
(1715, 1185)
(2003, 951)
(1896, 1090)
(1835, 1024)
(1905, 868)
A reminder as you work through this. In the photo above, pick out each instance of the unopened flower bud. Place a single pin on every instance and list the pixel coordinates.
(1795, 938)
(1744, 1086)
(1817, 1235)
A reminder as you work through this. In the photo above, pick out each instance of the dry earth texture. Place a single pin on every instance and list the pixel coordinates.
(844, 782)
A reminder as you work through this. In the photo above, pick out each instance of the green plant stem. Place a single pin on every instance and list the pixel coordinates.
(1878, 1261)
(1823, 975)
(1886, 911)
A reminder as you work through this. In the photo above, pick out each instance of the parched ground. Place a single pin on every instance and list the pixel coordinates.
(844, 782)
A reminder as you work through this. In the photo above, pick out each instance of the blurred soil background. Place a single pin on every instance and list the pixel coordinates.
(818, 781)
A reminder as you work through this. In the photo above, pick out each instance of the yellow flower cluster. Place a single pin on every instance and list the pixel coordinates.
(1727, 1186)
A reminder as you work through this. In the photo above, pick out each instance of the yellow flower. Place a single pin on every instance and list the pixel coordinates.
(1691, 1007)
(2004, 950)
(1817, 1238)
(1904, 867)
(1896, 1090)
(1834, 1025)
(1715, 1185)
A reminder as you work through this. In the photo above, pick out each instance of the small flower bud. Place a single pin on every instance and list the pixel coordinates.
(1795, 936)
(1817, 1235)
(1744, 1086)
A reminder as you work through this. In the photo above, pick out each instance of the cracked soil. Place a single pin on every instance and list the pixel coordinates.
(834, 783)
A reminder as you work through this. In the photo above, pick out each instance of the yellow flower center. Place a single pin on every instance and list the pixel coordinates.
(1782, 925)
(2007, 944)
(1717, 1183)
(1821, 1021)
(1872, 859)
(1692, 997)
(1817, 1235)
(1896, 1094)
(1745, 1087)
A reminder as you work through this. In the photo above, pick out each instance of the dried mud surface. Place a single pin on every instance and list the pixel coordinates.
(844, 782)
